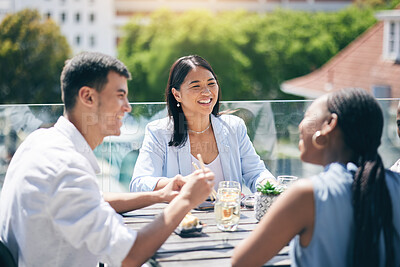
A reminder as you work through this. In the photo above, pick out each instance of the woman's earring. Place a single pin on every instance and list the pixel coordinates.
(178, 105)
(317, 138)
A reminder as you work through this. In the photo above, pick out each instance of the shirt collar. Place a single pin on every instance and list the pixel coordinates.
(65, 127)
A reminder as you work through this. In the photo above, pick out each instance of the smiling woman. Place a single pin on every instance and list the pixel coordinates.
(195, 126)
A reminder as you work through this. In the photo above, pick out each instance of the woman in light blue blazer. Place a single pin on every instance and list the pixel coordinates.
(195, 126)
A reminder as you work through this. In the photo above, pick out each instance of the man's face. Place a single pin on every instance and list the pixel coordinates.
(112, 104)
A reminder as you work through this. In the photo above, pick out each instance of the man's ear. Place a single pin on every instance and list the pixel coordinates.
(86, 95)
(176, 94)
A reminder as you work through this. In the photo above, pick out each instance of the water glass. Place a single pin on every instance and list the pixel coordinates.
(284, 181)
(230, 185)
(227, 206)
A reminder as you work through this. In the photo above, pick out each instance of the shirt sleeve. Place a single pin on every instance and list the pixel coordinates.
(84, 219)
(253, 168)
(149, 164)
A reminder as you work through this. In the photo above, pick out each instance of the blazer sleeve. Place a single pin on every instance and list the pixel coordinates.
(253, 168)
(150, 162)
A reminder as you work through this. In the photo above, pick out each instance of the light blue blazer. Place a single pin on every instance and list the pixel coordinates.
(156, 160)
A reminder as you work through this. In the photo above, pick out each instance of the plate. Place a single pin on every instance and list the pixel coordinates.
(190, 232)
(206, 205)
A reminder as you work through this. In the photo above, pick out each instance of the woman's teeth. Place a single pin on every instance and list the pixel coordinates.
(205, 101)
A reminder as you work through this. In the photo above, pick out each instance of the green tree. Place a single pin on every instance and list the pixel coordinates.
(149, 49)
(32, 54)
(251, 53)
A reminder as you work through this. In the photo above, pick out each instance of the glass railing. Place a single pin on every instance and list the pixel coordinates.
(272, 126)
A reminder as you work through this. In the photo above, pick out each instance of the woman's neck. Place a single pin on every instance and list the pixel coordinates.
(198, 123)
(339, 153)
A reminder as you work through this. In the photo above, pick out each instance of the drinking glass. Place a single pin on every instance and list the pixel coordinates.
(227, 206)
(231, 185)
(284, 181)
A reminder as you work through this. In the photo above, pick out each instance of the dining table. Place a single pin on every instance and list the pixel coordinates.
(210, 247)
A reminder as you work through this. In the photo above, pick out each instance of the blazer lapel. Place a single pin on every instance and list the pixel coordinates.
(184, 159)
(221, 134)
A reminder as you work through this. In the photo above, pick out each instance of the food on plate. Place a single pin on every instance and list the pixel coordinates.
(190, 221)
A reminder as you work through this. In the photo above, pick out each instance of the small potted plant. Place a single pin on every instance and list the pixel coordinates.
(265, 196)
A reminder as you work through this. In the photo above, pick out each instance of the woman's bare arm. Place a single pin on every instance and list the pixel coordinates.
(291, 214)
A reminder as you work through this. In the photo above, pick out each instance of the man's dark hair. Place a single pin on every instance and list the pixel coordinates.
(88, 69)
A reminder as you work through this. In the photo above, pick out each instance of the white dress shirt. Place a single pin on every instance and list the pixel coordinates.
(51, 209)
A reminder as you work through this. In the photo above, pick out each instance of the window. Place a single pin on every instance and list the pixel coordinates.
(92, 41)
(78, 40)
(77, 17)
(63, 17)
(391, 33)
(398, 39)
(92, 17)
(391, 41)
(47, 15)
(391, 37)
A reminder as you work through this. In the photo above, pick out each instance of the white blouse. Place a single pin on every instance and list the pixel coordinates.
(215, 166)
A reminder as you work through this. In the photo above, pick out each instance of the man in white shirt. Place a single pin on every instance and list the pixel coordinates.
(52, 212)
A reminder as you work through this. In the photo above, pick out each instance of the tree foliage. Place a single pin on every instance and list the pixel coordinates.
(32, 54)
(252, 54)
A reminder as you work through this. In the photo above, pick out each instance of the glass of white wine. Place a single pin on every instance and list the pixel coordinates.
(227, 206)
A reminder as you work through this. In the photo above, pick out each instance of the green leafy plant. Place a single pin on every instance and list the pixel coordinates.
(269, 189)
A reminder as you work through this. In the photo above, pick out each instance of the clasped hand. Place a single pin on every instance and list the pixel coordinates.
(196, 186)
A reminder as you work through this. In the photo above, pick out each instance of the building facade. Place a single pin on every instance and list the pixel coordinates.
(87, 24)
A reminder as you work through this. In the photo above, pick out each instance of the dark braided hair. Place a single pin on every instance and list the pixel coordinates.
(361, 120)
(177, 75)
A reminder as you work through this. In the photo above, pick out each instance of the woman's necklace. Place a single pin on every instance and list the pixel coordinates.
(208, 127)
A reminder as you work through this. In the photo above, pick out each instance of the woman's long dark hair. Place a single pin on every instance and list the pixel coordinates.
(361, 120)
(177, 75)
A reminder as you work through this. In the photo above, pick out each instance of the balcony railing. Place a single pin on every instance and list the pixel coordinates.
(272, 126)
